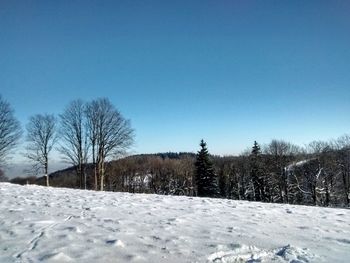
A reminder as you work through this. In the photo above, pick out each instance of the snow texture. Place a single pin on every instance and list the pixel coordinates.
(43, 224)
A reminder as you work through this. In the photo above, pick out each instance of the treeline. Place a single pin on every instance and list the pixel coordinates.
(279, 172)
(317, 174)
(89, 134)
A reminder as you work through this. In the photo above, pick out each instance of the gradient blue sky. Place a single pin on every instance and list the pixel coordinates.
(230, 72)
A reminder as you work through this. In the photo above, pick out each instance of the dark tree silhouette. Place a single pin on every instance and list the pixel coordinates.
(74, 145)
(10, 130)
(256, 172)
(41, 137)
(110, 134)
(206, 179)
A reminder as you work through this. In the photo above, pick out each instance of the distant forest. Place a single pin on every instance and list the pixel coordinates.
(280, 172)
(89, 134)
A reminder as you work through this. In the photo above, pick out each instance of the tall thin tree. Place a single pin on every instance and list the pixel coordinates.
(41, 137)
(206, 179)
(73, 136)
(256, 173)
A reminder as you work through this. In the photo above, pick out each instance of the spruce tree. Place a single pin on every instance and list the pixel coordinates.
(206, 179)
(257, 173)
(256, 149)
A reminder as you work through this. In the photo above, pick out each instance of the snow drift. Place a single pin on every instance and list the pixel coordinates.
(65, 225)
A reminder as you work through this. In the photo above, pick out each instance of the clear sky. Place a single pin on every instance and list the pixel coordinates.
(230, 72)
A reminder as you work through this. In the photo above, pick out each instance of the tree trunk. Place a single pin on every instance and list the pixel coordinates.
(78, 182)
(327, 195)
(346, 187)
(84, 175)
(285, 184)
(80, 174)
(102, 175)
(46, 171)
(95, 166)
(95, 173)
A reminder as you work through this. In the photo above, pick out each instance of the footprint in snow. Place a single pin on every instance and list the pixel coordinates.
(115, 242)
(303, 227)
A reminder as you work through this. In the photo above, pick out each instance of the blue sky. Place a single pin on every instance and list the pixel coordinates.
(230, 72)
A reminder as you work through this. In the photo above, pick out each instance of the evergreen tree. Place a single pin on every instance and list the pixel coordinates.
(256, 173)
(206, 179)
(256, 149)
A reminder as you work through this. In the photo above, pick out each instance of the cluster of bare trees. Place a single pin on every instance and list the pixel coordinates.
(152, 174)
(93, 131)
(109, 135)
(85, 132)
(317, 174)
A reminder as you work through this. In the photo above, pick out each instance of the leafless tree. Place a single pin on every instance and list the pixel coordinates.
(342, 144)
(10, 130)
(317, 147)
(41, 137)
(281, 153)
(73, 136)
(313, 178)
(109, 134)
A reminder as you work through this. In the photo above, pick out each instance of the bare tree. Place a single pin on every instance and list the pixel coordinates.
(10, 130)
(41, 137)
(342, 144)
(281, 153)
(73, 134)
(109, 133)
(312, 175)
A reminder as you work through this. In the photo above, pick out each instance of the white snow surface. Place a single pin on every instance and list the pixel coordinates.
(44, 224)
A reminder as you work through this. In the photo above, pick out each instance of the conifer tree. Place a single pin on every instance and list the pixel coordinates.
(206, 179)
(256, 173)
(256, 149)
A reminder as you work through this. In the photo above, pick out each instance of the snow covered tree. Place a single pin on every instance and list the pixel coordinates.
(10, 130)
(206, 179)
(280, 153)
(343, 163)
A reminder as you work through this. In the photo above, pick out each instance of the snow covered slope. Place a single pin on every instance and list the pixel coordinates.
(64, 225)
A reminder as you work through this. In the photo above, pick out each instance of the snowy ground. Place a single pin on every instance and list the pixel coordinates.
(63, 225)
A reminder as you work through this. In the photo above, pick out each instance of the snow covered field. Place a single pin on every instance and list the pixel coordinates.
(64, 225)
